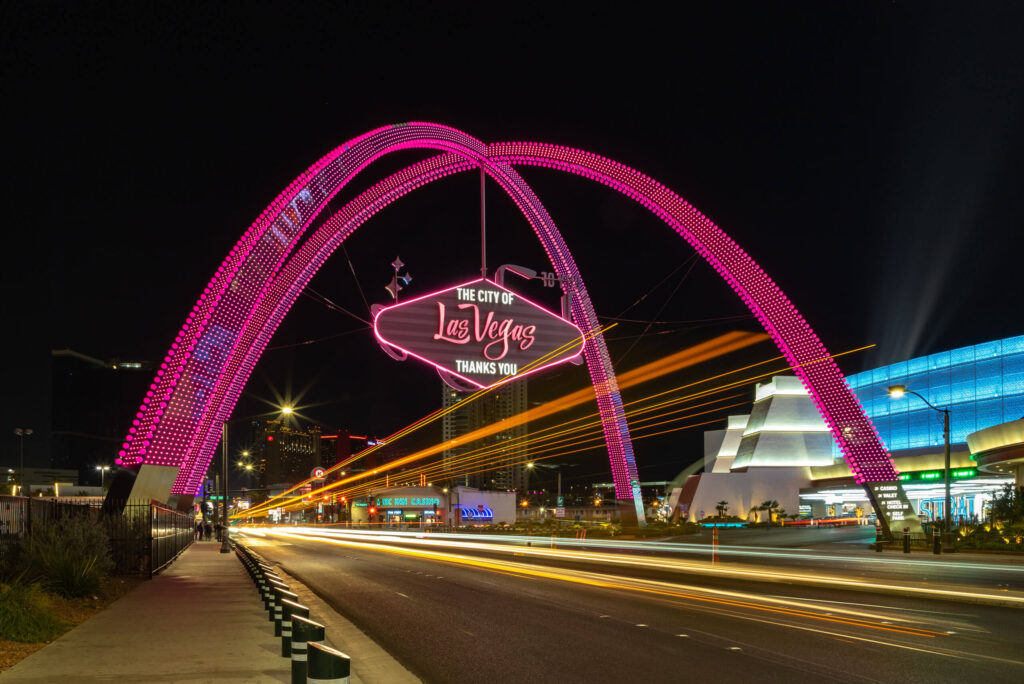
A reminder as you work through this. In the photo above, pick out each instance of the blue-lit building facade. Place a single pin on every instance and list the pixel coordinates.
(785, 442)
(982, 386)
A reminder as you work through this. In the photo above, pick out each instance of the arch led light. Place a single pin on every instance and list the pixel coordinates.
(480, 332)
(239, 309)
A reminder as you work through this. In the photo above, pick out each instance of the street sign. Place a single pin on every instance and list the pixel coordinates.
(561, 502)
(316, 474)
(559, 512)
(479, 332)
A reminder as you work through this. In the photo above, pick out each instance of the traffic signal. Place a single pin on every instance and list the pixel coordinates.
(373, 510)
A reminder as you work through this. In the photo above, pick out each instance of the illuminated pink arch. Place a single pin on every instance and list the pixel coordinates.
(211, 358)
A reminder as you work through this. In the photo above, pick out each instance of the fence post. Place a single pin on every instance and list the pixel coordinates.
(906, 540)
(149, 555)
(304, 631)
(326, 665)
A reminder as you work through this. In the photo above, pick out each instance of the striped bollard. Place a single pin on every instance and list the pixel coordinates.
(326, 665)
(280, 595)
(304, 631)
(289, 610)
(271, 599)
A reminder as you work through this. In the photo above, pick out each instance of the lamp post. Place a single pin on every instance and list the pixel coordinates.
(22, 434)
(897, 392)
(103, 471)
(224, 546)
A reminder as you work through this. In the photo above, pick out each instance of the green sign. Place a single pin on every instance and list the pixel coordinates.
(933, 475)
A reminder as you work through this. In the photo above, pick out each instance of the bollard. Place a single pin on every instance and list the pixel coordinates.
(879, 539)
(906, 540)
(289, 609)
(268, 599)
(937, 543)
(304, 631)
(326, 666)
(714, 545)
(280, 595)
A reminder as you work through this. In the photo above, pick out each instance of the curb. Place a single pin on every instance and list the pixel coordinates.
(370, 662)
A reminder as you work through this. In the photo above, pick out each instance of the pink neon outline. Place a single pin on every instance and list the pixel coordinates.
(166, 432)
(500, 382)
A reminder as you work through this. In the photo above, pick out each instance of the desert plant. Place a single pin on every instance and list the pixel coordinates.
(26, 614)
(69, 556)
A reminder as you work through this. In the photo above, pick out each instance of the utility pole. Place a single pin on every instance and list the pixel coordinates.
(224, 546)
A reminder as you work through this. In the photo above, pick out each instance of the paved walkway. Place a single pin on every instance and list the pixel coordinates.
(201, 620)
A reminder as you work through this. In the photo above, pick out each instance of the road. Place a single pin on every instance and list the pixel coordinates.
(476, 613)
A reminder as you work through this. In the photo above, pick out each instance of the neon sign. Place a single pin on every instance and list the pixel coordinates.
(408, 501)
(480, 332)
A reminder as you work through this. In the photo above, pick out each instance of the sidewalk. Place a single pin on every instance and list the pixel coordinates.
(201, 620)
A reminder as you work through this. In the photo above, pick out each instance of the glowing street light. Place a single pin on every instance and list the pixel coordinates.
(898, 392)
(22, 434)
(103, 472)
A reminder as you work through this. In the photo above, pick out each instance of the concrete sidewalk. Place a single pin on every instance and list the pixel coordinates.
(201, 620)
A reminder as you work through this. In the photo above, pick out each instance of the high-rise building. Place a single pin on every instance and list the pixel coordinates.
(284, 455)
(502, 468)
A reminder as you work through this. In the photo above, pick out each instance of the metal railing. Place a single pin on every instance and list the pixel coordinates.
(144, 537)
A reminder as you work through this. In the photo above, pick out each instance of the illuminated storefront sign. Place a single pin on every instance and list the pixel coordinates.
(425, 501)
(479, 332)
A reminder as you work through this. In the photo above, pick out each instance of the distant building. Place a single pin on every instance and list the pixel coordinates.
(284, 455)
(497, 469)
(783, 451)
(94, 401)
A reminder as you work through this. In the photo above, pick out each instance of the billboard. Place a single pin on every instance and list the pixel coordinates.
(480, 332)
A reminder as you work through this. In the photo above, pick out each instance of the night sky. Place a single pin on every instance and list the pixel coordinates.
(869, 155)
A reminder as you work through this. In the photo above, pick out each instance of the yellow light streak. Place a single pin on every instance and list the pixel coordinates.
(604, 581)
(723, 344)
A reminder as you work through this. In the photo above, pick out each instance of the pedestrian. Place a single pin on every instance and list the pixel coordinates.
(199, 531)
(207, 531)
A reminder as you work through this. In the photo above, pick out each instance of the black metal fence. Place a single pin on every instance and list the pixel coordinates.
(144, 537)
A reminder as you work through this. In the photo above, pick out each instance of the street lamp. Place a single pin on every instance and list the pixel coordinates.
(224, 546)
(897, 392)
(103, 471)
(22, 434)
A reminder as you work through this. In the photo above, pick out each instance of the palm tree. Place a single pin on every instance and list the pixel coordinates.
(766, 506)
(722, 507)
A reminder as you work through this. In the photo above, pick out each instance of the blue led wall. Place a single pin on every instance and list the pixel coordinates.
(983, 385)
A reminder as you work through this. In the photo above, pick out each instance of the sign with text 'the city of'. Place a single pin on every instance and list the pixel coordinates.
(480, 332)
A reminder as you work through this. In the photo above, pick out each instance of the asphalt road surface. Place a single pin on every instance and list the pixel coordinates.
(461, 615)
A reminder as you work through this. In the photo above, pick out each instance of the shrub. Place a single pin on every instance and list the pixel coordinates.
(26, 614)
(70, 555)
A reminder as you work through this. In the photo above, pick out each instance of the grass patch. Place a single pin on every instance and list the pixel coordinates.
(27, 614)
(69, 612)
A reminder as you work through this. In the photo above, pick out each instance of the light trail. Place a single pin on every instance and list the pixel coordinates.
(422, 422)
(863, 623)
(426, 546)
(642, 374)
(661, 547)
(723, 344)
